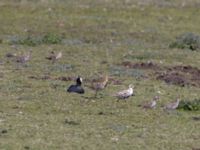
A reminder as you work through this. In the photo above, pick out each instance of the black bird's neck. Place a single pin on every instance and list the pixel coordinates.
(78, 82)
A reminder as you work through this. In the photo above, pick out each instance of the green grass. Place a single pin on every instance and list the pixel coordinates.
(95, 37)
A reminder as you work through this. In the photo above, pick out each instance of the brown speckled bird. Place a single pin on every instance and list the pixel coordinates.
(24, 58)
(172, 105)
(124, 94)
(151, 104)
(54, 57)
(99, 84)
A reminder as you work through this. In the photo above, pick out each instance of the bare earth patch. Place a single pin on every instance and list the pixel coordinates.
(112, 80)
(173, 78)
(47, 77)
(177, 75)
(181, 75)
(142, 65)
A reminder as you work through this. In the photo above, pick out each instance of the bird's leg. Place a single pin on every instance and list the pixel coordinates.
(53, 61)
(96, 93)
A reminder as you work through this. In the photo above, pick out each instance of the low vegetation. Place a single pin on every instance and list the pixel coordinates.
(189, 41)
(31, 40)
(189, 105)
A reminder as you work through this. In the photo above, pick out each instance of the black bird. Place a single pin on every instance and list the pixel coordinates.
(76, 88)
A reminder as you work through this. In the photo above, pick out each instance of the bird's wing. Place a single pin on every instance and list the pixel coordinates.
(20, 59)
(97, 85)
(146, 104)
(51, 57)
(71, 88)
(80, 90)
(76, 89)
(122, 93)
(59, 55)
(169, 106)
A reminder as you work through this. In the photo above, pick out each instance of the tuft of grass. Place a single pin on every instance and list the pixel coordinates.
(30, 40)
(60, 67)
(190, 105)
(51, 38)
(71, 122)
(187, 41)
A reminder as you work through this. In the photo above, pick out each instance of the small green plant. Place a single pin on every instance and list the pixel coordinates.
(71, 122)
(187, 41)
(190, 105)
(30, 40)
(51, 38)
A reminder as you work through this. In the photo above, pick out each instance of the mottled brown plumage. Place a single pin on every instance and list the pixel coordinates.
(53, 57)
(151, 104)
(172, 105)
(124, 94)
(24, 58)
(100, 84)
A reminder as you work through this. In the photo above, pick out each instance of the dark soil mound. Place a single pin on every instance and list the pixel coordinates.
(177, 75)
(142, 65)
(181, 75)
(173, 78)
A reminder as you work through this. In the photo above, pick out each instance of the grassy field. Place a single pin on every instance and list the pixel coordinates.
(95, 37)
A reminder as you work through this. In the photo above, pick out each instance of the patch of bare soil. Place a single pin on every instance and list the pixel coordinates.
(181, 75)
(177, 75)
(62, 78)
(114, 81)
(40, 78)
(142, 65)
(46, 77)
(173, 78)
